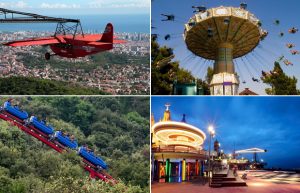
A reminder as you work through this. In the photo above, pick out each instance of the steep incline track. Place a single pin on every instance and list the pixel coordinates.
(28, 129)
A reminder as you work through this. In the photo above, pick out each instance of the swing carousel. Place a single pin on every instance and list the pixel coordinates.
(231, 41)
(222, 34)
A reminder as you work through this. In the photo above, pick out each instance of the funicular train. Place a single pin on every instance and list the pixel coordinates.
(61, 139)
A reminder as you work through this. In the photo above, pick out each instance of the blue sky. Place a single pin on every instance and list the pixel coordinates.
(76, 7)
(271, 48)
(270, 123)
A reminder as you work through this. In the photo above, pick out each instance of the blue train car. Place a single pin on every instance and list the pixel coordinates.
(89, 156)
(65, 140)
(15, 111)
(40, 125)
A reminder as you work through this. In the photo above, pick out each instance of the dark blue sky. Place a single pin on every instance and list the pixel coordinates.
(270, 123)
(287, 11)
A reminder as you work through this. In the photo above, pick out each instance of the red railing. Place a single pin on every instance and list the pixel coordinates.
(45, 139)
(30, 131)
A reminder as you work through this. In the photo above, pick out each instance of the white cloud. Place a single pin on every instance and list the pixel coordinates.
(21, 4)
(18, 4)
(119, 3)
(59, 6)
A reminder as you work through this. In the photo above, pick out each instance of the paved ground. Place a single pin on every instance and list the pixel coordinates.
(277, 177)
(257, 183)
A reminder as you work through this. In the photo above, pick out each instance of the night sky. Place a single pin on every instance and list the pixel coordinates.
(270, 123)
(262, 58)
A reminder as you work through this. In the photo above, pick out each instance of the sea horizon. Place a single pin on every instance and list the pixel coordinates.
(130, 23)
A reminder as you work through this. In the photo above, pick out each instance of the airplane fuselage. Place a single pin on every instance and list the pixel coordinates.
(79, 46)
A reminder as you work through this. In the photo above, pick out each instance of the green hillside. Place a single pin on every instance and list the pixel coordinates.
(36, 86)
(116, 128)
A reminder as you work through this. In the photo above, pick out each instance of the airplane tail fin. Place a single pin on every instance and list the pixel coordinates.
(108, 34)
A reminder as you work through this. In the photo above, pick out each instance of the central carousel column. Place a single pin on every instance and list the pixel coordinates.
(224, 81)
(168, 169)
(197, 168)
(202, 168)
(183, 173)
(180, 170)
(188, 170)
(156, 170)
(160, 168)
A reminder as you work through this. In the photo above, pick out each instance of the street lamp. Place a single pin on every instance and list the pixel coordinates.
(211, 132)
(211, 129)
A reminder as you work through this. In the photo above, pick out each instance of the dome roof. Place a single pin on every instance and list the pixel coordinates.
(178, 133)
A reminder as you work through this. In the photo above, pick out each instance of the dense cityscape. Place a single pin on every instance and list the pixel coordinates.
(129, 77)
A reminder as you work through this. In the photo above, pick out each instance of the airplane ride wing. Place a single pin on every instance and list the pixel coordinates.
(33, 42)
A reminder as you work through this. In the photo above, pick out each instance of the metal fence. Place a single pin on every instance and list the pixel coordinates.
(177, 150)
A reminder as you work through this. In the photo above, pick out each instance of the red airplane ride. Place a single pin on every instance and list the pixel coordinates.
(74, 46)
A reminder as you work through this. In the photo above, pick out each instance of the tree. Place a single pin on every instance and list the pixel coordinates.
(123, 143)
(209, 75)
(116, 128)
(36, 86)
(202, 84)
(280, 83)
(164, 72)
(86, 185)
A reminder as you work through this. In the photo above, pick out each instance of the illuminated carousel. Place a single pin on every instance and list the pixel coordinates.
(177, 153)
(223, 34)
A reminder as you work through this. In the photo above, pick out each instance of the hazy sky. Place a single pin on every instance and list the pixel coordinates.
(263, 57)
(79, 6)
(270, 123)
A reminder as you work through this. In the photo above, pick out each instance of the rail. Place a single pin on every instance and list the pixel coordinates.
(30, 130)
(177, 150)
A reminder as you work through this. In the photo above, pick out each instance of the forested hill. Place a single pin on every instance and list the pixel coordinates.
(35, 86)
(116, 128)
